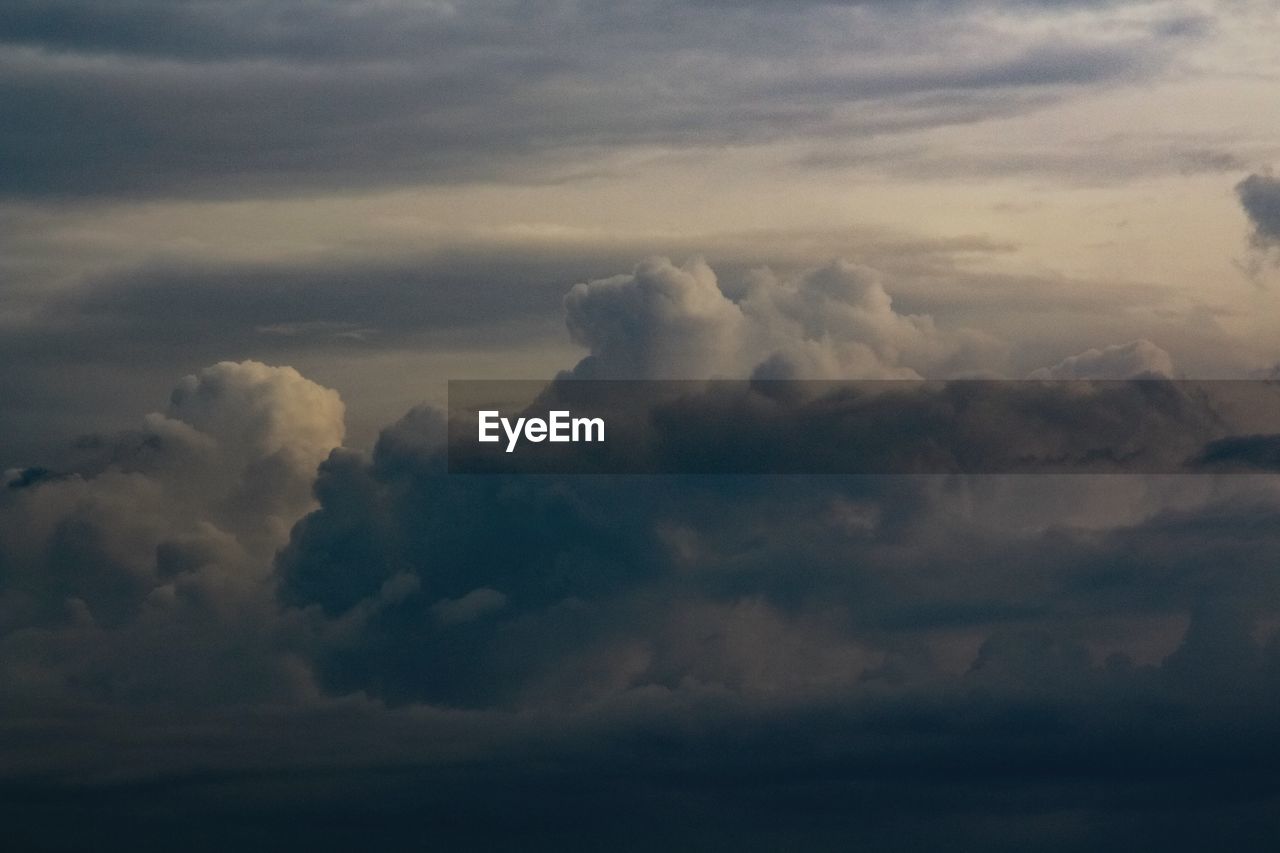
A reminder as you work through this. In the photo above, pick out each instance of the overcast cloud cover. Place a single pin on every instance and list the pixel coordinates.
(274, 93)
(259, 612)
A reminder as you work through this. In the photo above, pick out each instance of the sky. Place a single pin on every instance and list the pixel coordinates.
(244, 244)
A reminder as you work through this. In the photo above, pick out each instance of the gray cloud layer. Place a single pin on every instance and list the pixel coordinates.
(144, 98)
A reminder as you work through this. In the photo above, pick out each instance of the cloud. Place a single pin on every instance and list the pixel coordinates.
(589, 569)
(143, 571)
(837, 321)
(518, 634)
(877, 427)
(659, 320)
(473, 605)
(1260, 197)
(94, 348)
(1077, 161)
(220, 628)
(227, 575)
(484, 91)
(1138, 359)
(1246, 452)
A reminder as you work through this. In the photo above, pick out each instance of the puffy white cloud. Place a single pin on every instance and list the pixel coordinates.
(838, 322)
(261, 433)
(148, 570)
(659, 322)
(834, 322)
(255, 410)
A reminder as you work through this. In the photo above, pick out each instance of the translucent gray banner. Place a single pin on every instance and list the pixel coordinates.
(1146, 426)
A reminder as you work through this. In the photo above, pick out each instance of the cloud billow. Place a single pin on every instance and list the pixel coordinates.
(837, 321)
(252, 620)
(227, 575)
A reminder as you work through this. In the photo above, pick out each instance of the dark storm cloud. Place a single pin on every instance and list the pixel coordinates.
(1256, 452)
(200, 30)
(1260, 198)
(222, 630)
(616, 641)
(254, 99)
(764, 590)
(956, 655)
(598, 574)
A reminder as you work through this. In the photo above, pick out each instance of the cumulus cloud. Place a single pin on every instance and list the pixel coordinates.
(661, 321)
(144, 570)
(838, 321)
(518, 633)
(223, 629)
(573, 603)
(1140, 359)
